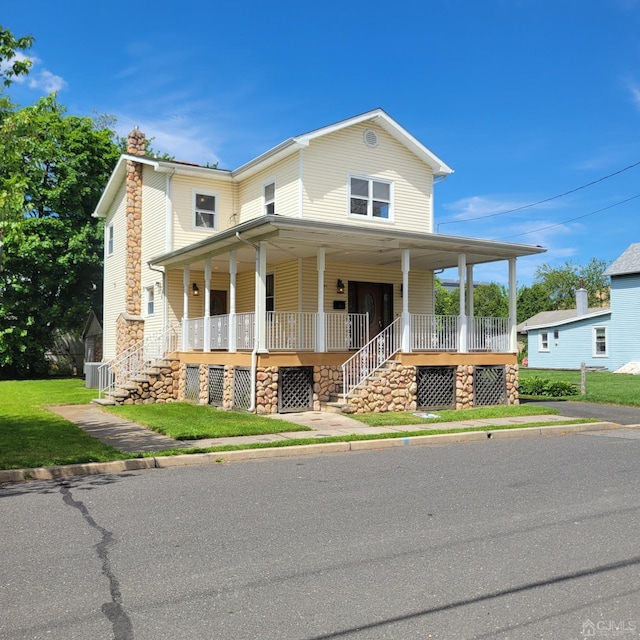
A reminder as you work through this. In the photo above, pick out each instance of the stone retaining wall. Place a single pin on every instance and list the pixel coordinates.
(161, 386)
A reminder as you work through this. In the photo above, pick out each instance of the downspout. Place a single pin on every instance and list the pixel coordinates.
(254, 352)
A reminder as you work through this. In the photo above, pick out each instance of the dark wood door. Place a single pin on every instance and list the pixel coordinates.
(373, 298)
(217, 303)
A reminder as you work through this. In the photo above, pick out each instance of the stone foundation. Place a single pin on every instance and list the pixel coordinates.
(327, 382)
(464, 387)
(393, 389)
(513, 386)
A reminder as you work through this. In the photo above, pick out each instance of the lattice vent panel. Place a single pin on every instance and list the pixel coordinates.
(295, 389)
(216, 385)
(490, 386)
(241, 388)
(436, 388)
(192, 383)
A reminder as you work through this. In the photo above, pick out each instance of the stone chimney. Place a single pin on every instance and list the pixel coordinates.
(130, 325)
(582, 300)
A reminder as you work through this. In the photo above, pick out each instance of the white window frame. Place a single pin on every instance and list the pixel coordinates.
(150, 300)
(109, 240)
(214, 213)
(370, 198)
(597, 354)
(271, 202)
(543, 343)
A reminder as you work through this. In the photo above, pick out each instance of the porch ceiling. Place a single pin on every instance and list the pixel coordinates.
(293, 238)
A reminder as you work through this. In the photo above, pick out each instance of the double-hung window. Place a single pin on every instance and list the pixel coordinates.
(205, 211)
(544, 341)
(270, 198)
(150, 300)
(369, 197)
(599, 342)
(110, 240)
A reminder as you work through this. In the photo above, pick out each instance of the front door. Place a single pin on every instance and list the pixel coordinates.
(218, 303)
(373, 298)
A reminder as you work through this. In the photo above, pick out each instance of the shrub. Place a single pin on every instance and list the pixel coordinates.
(537, 386)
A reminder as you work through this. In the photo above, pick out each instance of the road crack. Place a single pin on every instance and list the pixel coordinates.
(114, 611)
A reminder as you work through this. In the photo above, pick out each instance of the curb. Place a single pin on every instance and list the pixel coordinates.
(181, 460)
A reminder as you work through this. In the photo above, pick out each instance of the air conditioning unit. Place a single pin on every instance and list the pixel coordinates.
(91, 375)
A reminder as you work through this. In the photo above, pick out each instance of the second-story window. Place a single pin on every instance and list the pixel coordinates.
(205, 211)
(369, 198)
(109, 239)
(270, 198)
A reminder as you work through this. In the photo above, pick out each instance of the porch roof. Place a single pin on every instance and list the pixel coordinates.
(293, 238)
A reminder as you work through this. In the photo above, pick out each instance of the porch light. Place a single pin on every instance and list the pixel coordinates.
(339, 286)
(196, 290)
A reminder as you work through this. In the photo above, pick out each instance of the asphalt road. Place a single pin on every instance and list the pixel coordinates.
(605, 412)
(518, 538)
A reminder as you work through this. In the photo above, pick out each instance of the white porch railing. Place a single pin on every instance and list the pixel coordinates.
(488, 334)
(346, 331)
(434, 333)
(218, 332)
(194, 333)
(245, 331)
(291, 331)
(371, 357)
(131, 363)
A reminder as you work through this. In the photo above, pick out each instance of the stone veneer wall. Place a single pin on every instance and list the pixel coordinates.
(130, 325)
(395, 391)
(161, 386)
(513, 386)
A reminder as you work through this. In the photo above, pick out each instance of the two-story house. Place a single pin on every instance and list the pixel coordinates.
(304, 276)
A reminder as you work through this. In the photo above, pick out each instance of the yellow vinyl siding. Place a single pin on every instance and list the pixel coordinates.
(183, 187)
(330, 160)
(420, 285)
(114, 274)
(251, 191)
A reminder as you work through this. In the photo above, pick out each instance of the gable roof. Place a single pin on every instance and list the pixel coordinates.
(380, 117)
(555, 318)
(628, 262)
(270, 157)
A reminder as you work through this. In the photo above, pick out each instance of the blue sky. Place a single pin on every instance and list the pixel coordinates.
(525, 99)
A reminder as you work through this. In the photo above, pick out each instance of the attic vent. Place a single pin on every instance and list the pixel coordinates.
(371, 138)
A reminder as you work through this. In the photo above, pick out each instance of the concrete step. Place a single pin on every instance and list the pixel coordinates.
(334, 407)
(104, 402)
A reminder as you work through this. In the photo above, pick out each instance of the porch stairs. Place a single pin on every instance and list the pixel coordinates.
(368, 367)
(120, 377)
(339, 401)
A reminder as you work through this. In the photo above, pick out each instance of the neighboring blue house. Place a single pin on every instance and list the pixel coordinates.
(604, 337)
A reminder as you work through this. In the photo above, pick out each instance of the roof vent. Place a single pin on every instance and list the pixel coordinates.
(371, 138)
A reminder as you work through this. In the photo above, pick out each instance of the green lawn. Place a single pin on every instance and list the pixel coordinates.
(32, 436)
(186, 421)
(602, 386)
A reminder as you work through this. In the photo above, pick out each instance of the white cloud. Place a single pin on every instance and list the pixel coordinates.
(634, 89)
(38, 78)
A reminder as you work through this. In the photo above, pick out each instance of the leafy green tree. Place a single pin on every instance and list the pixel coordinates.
(13, 64)
(561, 283)
(52, 258)
(532, 300)
(489, 300)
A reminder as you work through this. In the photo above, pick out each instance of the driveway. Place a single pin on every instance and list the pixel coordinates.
(605, 412)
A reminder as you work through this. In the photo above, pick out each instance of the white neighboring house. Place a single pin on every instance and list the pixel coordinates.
(303, 277)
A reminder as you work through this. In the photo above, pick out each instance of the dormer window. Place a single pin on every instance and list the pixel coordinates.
(205, 211)
(369, 197)
(270, 198)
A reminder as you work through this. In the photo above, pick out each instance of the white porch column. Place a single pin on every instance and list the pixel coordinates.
(261, 297)
(206, 332)
(462, 335)
(320, 324)
(406, 317)
(513, 338)
(470, 312)
(233, 271)
(185, 305)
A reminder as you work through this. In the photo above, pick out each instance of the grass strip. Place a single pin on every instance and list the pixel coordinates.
(187, 421)
(353, 437)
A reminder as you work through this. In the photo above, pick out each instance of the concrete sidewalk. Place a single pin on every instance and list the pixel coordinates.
(134, 438)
